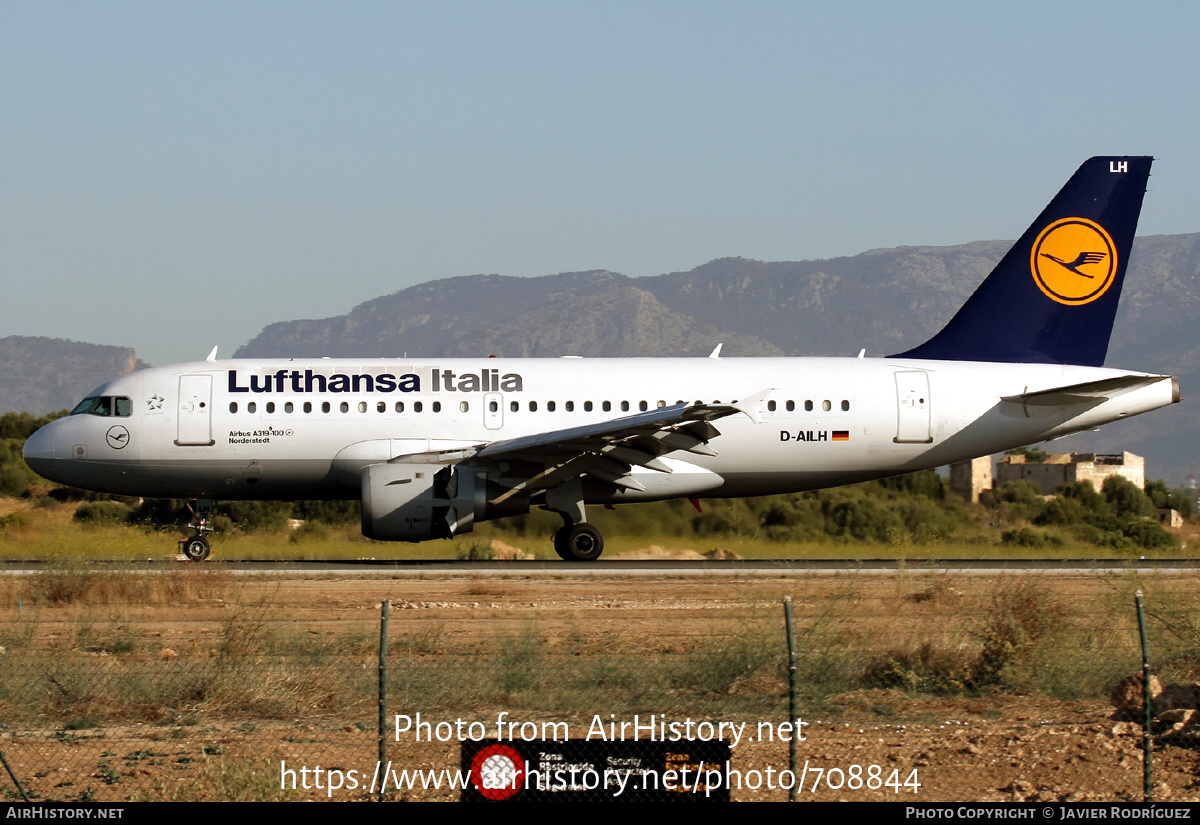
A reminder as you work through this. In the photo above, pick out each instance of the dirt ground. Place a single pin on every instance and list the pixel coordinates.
(881, 744)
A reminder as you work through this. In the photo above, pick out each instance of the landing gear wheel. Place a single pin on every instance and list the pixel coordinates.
(196, 548)
(579, 542)
(560, 546)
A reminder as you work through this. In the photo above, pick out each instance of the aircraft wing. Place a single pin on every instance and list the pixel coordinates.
(605, 451)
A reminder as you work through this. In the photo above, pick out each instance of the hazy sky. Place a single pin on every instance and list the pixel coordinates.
(178, 175)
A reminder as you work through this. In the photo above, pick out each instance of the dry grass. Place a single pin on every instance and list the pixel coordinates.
(191, 654)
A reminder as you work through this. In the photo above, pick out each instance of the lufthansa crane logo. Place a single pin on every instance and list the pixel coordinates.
(117, 437)
(1074, 261)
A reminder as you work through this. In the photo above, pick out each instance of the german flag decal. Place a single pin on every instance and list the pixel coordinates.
(841, 435)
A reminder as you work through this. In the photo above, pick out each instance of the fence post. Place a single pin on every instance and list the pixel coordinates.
(791, 640)
(1147, 741)
(383, 633)
(13, 776)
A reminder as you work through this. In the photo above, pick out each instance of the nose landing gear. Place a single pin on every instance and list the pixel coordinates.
(197, 547)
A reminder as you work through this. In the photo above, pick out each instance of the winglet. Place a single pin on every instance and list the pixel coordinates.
(716, 353)
(212, 356)
(750, 406)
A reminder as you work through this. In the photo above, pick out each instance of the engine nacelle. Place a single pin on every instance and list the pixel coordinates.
(417, 502)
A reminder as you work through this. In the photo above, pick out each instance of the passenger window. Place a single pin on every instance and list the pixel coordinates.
(344, 406)
(791, 406)
(399, 406)
(826, 406)
(549, 406)
(514, 406)
(233, 406)
(270, 406)
(845, 406)
(463, 406)
(437, 406)
(251, 407)
(808, 406)
(288, 407)
(324, 406)
(770, 406)
(643, 406)
(308, 406)
(533, 406)
(587, 406)
(418, 406)
(493, 406)
(570, 406)
(662, 404)
(381, 406)
(362, 406)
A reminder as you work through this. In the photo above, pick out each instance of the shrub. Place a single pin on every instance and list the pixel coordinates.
(102, 512)
(1021, 616)
(1125, 499)
(1028, 537)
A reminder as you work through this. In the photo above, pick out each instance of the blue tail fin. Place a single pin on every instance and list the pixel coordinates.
(1053, 297)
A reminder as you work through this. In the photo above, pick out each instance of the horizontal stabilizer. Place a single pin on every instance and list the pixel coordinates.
(1087, 391)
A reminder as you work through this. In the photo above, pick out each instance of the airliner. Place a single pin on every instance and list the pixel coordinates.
(432, 447)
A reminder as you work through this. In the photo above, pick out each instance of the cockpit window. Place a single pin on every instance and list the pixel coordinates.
(83, 406)
(104, 405)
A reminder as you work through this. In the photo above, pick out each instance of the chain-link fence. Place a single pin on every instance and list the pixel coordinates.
(135, 686)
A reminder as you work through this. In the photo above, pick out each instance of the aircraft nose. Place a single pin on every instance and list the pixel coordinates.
(39, 452)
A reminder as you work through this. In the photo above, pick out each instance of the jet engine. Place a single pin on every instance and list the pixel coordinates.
(416, 502)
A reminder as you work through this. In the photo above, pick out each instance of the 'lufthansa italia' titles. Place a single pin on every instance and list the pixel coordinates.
(305, 381)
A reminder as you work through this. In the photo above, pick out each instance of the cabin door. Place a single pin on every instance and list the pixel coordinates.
(912, 403)
(195, 411)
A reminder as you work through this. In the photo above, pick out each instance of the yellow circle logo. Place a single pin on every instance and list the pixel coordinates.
(1074, 261)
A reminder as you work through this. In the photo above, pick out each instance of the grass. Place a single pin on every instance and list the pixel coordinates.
(260, 657)
(44, 530)
(49, 534)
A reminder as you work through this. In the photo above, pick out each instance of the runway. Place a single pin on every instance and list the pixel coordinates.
(742, 567)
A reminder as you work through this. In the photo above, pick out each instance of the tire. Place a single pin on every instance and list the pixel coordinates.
(560, 544)
(196, 548)
(581, 542)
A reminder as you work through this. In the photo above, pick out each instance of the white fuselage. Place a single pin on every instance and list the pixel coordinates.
(297, 429)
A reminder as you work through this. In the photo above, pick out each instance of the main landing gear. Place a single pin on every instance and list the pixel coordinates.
(577, 540)
(197, 547)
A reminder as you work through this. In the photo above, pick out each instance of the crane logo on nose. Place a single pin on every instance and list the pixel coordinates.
(117, 437)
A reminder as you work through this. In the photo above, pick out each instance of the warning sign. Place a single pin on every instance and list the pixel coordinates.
(596, 771)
